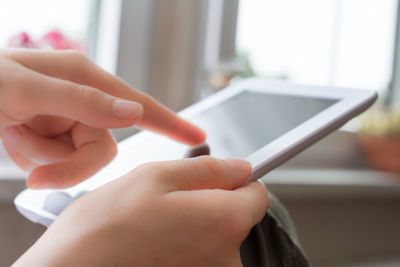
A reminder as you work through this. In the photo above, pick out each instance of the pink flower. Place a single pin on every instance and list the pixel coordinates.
(51, 40)
(56, 40)
(22, 40)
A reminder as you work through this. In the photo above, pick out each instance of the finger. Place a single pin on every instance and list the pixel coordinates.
(5, 119)
(235, 212)
(79, 69)
(253, 201)
(94, 149)
(200, 173)
(50, 126)
(158, 118)
(44, 95)
(37, 148)
(21, 161)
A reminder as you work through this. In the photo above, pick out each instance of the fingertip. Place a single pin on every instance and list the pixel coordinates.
(240, 166)
(43, 177)
(189, 134)
(37, 179)
(199, 136)
(46, 184)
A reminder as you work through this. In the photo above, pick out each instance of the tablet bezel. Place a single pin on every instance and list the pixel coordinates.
(350, 102)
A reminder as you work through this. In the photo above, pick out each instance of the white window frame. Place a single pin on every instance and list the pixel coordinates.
(393, 98)
(393, 90)
(124, 39)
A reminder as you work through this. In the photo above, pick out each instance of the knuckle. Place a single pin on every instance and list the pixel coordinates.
(143, 167)
(21, 95)
(150, 169)
(84, 94)
(111, 148)
(213, 166)
(159, 171)
(78, 64)
(74, 56)
(146, 100)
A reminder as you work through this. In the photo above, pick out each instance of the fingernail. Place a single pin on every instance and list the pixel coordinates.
(42, 185)
(12, 135)
(239, 165)
(124, 109)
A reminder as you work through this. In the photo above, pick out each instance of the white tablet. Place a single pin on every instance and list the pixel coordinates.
(265, 121)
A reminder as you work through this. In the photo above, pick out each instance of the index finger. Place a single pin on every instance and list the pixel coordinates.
(77, 68)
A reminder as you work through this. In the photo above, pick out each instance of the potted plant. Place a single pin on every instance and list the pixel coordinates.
(380, 139)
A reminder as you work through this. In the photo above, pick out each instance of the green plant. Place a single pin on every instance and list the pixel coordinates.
(381, 123)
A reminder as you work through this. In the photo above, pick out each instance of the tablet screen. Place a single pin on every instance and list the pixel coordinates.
(249, 120)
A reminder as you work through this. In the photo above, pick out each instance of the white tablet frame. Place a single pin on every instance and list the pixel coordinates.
(350, 102)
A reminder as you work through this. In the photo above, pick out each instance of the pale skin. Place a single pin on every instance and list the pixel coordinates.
(55, 111)
(55, 108)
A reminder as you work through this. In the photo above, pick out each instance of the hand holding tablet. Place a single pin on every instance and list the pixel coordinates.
(160, 214)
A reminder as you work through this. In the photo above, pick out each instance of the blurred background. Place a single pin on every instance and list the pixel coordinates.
(346, 208)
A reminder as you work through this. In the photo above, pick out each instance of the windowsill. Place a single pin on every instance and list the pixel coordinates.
(333, 183)
(12, 179)
(8, 171)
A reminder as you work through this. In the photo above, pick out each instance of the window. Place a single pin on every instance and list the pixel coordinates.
(75, 19)
(332, 42)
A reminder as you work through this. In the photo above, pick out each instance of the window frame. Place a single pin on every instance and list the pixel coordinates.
(393, 91)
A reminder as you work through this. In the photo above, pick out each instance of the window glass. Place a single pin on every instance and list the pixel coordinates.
(330, 42)
(73, 19)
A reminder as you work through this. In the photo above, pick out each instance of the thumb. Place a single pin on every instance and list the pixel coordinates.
(203, 173)
(79, 102)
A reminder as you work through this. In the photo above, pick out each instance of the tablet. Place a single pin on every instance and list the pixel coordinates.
(265, 121)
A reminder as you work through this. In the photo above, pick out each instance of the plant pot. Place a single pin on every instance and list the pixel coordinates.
(382, 153)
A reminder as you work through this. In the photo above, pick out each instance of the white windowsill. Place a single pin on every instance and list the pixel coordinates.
(333, 183)
(12, 179)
